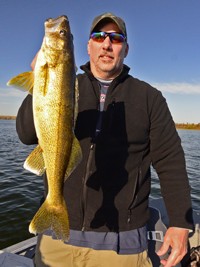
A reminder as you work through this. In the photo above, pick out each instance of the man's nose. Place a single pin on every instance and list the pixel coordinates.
(107, 44)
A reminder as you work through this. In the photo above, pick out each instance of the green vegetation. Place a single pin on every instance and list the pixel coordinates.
(187, 126)
(7, 117)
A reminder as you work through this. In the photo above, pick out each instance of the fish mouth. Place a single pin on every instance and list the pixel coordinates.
(56, 20)
(51, 25)
(57, 34)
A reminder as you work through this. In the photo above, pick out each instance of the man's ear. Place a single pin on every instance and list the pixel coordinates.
(88, 47)
(126, 50)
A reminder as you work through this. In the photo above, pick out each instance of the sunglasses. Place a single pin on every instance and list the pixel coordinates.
(115, 38)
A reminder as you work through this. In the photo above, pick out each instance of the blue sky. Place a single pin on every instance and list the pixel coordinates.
(163, 35)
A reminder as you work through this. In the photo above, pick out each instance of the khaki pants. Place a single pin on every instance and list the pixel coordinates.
(54, 253)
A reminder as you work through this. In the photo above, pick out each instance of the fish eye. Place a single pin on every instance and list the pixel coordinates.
(63, 33)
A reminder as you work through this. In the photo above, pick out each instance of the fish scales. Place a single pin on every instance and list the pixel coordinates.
(54, 109)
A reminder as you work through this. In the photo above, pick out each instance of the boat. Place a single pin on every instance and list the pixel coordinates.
(21, 254)
(157, 227)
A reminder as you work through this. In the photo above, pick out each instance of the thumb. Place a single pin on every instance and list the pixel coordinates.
(164, 249)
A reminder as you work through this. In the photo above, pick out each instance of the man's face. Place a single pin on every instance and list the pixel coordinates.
(106, 59)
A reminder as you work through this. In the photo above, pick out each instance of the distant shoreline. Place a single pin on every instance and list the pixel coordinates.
(187, 126)
(7, 117)
(180, 126)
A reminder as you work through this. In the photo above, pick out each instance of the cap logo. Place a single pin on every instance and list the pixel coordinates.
(108, 15)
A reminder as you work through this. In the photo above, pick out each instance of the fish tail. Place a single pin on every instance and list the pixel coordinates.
(53, 218)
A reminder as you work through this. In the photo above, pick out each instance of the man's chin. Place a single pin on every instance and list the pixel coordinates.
(107, 67)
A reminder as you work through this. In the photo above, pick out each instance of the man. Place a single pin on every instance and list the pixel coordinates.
(123, 126)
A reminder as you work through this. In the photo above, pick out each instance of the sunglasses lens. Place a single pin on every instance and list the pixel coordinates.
(114, 37)
(98, 36)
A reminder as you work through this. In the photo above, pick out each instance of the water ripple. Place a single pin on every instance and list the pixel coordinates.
(21, 191)
(191, 144)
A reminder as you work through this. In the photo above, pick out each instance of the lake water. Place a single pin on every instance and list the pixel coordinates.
(21, 191)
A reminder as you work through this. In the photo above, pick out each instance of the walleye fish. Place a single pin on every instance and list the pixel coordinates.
(55, 107)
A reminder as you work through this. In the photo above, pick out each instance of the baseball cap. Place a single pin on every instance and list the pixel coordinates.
(110, 17)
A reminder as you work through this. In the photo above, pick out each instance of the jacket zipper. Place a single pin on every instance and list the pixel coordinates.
(88, 170)
(87, 173)
(134, 195)
(89, 160)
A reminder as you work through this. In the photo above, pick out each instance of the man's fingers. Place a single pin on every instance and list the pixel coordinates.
(164, 248)
(173, 259)
(176, 238)
(34, 61)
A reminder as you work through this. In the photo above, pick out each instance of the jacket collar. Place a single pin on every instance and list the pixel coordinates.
(87, 70)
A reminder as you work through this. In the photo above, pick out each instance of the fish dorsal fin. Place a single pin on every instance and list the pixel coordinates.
(75, 157)
(35, 162)
(76, 101)
(23, 81)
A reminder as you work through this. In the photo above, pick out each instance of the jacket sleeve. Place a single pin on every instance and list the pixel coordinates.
(25, 124)
(169, 162)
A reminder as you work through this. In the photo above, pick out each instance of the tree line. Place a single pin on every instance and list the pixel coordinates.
(7, 117)
(188, 126)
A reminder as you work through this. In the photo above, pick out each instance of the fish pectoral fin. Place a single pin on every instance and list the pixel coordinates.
(43, 77)
(23, 81)
(53, 218)
(75, 158)
(35, 162)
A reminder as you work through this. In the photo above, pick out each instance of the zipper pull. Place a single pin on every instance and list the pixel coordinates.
(113, 102)
(129, 216)
(91, 146)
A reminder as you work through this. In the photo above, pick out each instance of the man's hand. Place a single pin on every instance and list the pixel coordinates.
(177, 239)
(34, 61)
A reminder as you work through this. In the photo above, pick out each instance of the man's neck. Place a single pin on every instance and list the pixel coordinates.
(104, 81)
